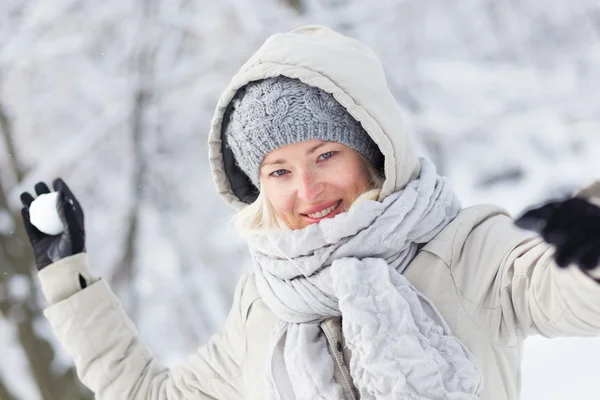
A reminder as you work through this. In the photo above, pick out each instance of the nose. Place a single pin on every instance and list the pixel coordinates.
(310, 187)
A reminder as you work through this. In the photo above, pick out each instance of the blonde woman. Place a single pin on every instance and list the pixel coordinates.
(370, 280)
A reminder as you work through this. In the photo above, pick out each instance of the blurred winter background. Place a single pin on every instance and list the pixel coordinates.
(116, 97)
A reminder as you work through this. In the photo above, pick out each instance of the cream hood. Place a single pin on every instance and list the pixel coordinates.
(344, 67)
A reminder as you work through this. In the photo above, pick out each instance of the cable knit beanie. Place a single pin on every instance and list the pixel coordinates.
(275, 112)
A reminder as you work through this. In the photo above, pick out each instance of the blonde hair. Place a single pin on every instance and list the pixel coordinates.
(261, 216)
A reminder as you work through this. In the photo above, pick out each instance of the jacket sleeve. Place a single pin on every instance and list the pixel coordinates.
(110, 357)
(542, 298)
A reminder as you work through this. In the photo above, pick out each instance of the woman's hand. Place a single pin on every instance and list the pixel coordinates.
(572, 225)
(48, 248)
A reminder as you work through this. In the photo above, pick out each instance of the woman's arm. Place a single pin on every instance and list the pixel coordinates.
(508, 282)
(538, 297)
(544, 287)
(110, 357)
(89, 321)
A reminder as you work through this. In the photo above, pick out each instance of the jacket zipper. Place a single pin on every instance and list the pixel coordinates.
(336, 345)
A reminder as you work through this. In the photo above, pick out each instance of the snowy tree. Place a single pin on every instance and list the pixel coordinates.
(116, 97)
(19, 295)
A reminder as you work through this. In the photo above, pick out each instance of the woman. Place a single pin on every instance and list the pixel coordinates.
(370, 281)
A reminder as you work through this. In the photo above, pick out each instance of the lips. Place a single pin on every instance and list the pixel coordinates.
(321, 212)
(320, 207)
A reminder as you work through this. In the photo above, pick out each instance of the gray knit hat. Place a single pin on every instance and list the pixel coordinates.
(275, 112)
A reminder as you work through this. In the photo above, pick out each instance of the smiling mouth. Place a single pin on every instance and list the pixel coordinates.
(325, 212)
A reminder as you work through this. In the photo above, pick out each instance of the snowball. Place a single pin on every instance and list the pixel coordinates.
(44, 216)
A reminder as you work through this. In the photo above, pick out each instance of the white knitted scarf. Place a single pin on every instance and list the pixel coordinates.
(350, 266)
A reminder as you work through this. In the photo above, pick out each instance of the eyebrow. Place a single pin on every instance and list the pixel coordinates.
(310, 151)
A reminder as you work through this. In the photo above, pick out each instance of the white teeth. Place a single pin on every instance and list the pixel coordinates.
(324, 212)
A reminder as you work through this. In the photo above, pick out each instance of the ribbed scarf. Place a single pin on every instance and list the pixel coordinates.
(350, 266)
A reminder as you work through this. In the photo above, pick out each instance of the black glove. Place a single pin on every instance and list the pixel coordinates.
(51, 248)
(572, 225)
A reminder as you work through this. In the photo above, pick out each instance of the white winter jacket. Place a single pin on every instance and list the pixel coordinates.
(493, 283)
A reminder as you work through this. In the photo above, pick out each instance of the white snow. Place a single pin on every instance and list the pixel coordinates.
(44, 215)
(7, 224)
(504, 97)
(14, 364)
(18, 287)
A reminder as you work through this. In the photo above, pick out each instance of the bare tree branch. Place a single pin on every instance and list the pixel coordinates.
(295, 4)
(124, 273)
(69, 155)
(8, 139)
(5, 394)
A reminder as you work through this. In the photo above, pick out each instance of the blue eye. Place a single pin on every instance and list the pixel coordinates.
(279, 172)
(327, 155)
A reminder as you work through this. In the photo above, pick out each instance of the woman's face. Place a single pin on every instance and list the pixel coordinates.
(309, 181)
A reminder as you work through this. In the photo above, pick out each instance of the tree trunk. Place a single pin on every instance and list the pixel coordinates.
(4, 393)
(142, 63)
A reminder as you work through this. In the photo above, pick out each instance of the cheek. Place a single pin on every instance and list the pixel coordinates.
(352, 178)
(282, 203)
